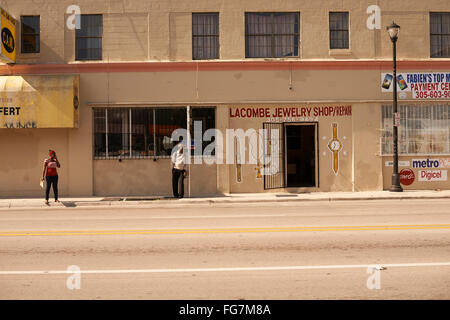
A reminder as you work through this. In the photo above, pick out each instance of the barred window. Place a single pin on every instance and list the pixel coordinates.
(205, 36)
(100, 132)
(424, 129)
(142, 132)
(88, 42)
(118, 122)
(339, 30)
(166, 122)
(440, 34)
(30, 30)
(269, 35)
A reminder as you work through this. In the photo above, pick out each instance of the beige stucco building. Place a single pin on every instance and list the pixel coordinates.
(316, 70)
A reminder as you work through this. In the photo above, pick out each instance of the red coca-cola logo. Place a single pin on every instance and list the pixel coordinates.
(407, 177)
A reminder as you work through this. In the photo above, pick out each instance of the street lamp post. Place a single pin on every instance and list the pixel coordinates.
(393, 30)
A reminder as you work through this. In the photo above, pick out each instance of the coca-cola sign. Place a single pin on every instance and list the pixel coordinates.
(407, 177)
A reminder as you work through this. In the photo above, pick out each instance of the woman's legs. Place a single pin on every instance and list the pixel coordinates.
(55, 187)
(47, 189)
(51, 181)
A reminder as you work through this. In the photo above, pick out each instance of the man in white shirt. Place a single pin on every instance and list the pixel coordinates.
(178, 171)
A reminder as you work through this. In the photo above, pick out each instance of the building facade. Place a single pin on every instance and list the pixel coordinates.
(106, 83)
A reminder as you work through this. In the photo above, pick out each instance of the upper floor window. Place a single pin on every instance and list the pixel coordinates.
(205, 36)
(270, 35)
(440, 34)
(88, 42)
(339, 30)
(30, 27)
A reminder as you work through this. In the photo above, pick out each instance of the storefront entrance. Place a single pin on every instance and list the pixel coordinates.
(300, 155)
(297, 149)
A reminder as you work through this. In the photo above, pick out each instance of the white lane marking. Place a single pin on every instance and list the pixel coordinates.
(160, 217)
(348, 266)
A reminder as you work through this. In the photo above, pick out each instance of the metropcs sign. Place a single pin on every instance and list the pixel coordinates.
(432, 175)
(8, 37)
(431, 163)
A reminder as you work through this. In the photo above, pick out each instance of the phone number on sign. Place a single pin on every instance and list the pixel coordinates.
(431, 94)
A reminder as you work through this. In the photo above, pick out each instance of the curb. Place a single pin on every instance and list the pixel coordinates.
(199, 201)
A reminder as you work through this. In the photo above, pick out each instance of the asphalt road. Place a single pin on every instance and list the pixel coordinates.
(308, 250)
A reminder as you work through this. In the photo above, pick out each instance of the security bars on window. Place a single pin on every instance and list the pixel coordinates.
(424, 129)
(134, 133)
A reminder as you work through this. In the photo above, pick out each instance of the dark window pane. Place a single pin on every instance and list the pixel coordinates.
(205, 36)
(118, 132)
(30, 30)
(99, 132)
(271, 34)
(142, 132)
(167, 121)
(339, 38)
(207, 118)
(439, 34)
(89, 38)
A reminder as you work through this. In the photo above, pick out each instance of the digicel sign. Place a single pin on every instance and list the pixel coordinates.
(8, 37)
(432, 175)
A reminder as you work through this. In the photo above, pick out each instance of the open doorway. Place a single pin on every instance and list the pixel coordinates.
(301, 154)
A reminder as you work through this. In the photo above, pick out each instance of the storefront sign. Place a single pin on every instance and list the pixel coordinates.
(400, 163)
(435, 85)
(407, 177)
(431, 163)
(8, 37)
(432, 175)
(39, 102)
(290, 112)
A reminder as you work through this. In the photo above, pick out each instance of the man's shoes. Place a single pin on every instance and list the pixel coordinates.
(180, 197)
(46, 202)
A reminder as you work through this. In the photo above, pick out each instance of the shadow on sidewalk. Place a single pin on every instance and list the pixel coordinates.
(69, 204)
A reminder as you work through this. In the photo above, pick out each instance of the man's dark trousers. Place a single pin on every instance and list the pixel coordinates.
(178, 183)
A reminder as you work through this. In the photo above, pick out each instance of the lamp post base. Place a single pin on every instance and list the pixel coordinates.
(396, 187)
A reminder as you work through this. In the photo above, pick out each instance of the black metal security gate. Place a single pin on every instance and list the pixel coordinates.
(275, 178)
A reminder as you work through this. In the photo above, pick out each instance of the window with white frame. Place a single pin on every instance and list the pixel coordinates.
(141, 132)
(423, 130)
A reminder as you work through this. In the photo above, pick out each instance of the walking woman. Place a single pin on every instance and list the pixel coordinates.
(51, 175)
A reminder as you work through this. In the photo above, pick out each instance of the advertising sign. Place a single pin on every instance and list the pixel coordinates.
(434, 85)
(39, 101)
(407, 177)
(8, 37)
(431, 163)
(432, 175)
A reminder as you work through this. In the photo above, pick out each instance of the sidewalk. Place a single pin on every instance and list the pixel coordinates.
(254, 198)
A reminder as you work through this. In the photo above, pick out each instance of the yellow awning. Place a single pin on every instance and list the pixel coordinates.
(49, 101)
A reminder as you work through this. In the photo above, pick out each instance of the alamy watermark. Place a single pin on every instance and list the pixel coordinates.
(74, 280)
(242, 147)
(374, 280)
(74, 19)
